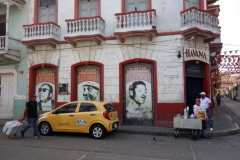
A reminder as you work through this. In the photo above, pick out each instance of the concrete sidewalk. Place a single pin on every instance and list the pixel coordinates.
(226, 122)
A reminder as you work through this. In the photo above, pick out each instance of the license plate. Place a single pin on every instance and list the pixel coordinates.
(115, 125)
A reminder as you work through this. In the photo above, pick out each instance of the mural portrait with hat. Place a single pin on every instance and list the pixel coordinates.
(88, 84)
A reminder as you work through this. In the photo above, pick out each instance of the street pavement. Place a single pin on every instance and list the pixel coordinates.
(118, 146)
(233, 108)
(226, 122)
(138, 145)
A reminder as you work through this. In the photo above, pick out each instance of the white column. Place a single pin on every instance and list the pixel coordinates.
(7, 25)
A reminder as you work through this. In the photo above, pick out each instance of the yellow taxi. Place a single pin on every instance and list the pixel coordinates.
(96, 118)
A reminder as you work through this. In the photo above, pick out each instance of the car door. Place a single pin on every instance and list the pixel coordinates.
(63, 118)
(85, 116)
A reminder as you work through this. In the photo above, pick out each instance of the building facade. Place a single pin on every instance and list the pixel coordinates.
(13, 58)
(149, 58)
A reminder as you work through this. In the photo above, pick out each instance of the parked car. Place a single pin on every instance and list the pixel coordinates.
(96, 118)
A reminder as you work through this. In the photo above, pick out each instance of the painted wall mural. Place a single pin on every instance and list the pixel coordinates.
(138, 84)
(45, 88)
(88, 82)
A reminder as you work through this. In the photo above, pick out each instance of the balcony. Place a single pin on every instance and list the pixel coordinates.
(85, 29)
(199, 24)
(17, 3)
(41, 33)
(216, 45)
(135, 24)
(9, 49)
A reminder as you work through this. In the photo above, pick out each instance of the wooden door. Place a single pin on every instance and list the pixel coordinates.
(46, 13)
(191, 3)
(6, 96)
(88, 8)
(136, 5)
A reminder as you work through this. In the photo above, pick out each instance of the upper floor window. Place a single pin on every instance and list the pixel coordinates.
(191, 3)
(46, 11)
(136, 5)
(88, 8)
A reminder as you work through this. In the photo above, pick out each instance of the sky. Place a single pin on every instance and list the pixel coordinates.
(229, 18)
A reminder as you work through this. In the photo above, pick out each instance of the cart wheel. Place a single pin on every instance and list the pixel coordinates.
(176, 129)
(194, 137)
(15, 135)
(8, 137)
(176, 136)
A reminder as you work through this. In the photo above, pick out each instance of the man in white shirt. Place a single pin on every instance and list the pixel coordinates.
(206, 104)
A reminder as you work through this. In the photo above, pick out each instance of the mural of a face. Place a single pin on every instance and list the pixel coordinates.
(45, 93)
(90, 93)
(140, 94)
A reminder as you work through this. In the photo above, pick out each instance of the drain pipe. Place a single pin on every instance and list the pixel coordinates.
(59, 43)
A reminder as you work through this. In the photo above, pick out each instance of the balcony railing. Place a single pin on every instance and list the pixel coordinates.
(40, 31)
(85, 26)
(194, 17)
(135, 21)
(13, 44)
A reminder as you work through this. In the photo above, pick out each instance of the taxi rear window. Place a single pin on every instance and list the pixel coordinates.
(109, 108)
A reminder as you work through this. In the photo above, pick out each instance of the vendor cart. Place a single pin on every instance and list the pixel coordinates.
(11, 128)
(186, 125)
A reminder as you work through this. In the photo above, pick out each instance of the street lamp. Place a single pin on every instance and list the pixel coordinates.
(179, 50)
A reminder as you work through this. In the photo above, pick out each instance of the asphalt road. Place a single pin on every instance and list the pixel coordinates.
(117, 146)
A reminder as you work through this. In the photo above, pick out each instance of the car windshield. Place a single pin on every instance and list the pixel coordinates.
(109, 108)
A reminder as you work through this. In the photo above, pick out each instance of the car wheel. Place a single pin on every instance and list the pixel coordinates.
(45, 129)
(97, 131)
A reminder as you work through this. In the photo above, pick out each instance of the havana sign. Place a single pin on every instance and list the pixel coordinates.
(196, 55)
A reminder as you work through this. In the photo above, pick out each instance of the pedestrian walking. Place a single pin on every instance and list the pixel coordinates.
(32, 116)
(206, 104)
(218, 99)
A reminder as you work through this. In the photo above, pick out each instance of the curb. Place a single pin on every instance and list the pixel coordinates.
(181, 134)
(170, 132)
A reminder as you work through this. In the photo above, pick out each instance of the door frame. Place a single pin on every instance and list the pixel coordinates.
(201, 5)
(149, 5)
(121, 79)
(76, 8)
(36, 8)
(32, 75)
(206, 80)
(73, 78)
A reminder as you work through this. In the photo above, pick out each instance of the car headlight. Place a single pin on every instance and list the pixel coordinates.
(41, 115)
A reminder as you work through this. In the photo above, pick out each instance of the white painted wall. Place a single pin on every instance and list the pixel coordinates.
(162, 49)
(168, 14)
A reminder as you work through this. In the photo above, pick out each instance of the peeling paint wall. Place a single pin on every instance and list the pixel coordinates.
(111, 53)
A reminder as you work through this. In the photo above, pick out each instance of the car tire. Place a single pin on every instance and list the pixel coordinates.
(97, 131)
(45, 129)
